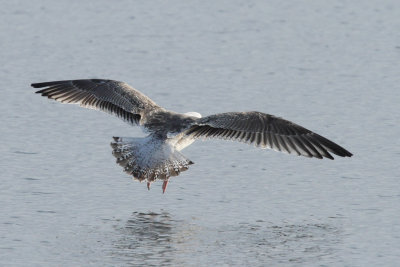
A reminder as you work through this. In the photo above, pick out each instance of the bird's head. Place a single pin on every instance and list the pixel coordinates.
(193, 114)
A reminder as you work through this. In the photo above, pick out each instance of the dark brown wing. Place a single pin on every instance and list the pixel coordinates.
(113, 97)
(266, 131)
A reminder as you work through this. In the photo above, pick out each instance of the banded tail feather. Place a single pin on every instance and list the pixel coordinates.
(145, 161)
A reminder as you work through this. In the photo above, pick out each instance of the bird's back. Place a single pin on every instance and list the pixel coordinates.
(167, 122)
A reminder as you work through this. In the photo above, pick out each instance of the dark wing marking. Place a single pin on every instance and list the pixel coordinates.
(113, 97)
(266, 131)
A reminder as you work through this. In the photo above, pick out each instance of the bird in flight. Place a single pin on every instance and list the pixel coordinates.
(158, 156)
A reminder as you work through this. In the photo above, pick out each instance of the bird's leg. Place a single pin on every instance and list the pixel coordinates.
(164, 185)
(148, 185)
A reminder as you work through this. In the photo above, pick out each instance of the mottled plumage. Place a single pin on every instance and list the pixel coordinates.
(157, 156)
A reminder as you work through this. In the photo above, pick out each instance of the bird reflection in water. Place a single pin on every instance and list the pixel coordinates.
(150, 239)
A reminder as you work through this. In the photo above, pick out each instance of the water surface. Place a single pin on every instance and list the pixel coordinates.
(331, 67)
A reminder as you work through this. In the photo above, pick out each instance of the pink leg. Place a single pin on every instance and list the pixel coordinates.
(164, 186)
(148, 185)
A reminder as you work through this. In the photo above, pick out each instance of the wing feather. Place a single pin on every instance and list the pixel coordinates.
(264, 130)
(114, 97)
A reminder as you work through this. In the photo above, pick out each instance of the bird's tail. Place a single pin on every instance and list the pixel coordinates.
(148, 158)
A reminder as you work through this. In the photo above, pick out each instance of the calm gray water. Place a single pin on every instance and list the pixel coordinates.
(332, 67)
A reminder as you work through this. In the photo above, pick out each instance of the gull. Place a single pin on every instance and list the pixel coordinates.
(158, 155)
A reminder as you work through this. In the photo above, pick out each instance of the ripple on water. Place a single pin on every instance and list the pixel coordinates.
(25, 152)
(149, 239)
(158, 239)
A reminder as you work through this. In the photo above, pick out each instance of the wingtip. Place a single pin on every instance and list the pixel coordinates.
(346, 153)
(340, 154)
(46, 84)
(39, 85)
(34, 85)
(328, 156)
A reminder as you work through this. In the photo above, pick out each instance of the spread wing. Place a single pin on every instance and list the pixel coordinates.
(266, 131)
(113, 97)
